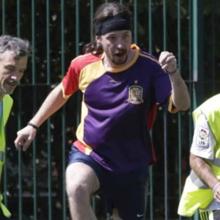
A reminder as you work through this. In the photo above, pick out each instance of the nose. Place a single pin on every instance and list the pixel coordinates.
(120, 42)
(121, 45)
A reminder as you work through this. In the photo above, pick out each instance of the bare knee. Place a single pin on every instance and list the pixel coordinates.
(77, 190)
(81, 181)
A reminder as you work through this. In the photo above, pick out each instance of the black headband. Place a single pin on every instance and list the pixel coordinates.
(114, 23)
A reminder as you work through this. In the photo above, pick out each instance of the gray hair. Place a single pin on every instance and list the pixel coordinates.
(19, 46)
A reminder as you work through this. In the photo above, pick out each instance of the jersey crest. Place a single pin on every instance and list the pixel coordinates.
(135, 94)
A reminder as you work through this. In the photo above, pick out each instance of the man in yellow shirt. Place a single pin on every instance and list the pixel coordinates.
(202, 187)
(14, 53)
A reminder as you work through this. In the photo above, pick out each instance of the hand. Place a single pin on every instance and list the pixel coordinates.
(25, 137)
(168, 62)
(216, 192)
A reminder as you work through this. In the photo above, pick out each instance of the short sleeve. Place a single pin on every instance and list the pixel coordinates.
(71, 80)
(162, 87)
(203, 140)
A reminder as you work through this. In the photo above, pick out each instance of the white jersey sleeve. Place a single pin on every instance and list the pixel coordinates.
(203, 140)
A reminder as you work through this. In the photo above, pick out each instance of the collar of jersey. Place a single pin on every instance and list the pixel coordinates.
(128, 65)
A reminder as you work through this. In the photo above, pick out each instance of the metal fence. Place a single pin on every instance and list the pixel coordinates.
(33, 183)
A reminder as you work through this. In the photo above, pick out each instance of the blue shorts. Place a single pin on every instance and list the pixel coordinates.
(125, 191)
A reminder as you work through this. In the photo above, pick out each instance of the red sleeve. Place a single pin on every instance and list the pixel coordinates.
(70, 81)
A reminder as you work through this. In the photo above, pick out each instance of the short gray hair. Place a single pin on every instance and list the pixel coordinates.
(18, 45)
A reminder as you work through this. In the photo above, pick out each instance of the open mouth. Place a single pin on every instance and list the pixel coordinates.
(12, 83)
(120, 55)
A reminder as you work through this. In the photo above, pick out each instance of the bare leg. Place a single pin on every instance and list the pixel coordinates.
(81, 182)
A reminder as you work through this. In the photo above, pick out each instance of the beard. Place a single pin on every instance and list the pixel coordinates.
(119, 57)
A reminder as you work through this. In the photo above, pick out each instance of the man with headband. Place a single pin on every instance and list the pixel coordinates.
(120, 85)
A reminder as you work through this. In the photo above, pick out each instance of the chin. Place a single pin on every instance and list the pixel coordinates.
(120, 62)
(9, 91)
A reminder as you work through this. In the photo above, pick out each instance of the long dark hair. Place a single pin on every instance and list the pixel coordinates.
(103, 12)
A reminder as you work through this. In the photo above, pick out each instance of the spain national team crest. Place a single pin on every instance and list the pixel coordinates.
(135, 95)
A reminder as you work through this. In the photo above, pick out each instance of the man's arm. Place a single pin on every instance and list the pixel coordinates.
(180, 94)
(204, 172)
(53, 102)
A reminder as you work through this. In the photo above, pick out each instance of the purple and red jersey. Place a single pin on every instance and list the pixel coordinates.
(115, 104)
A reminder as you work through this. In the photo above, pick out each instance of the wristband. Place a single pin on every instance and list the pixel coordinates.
(33, 125)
